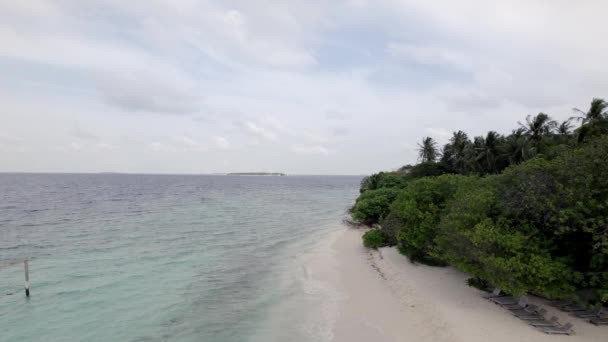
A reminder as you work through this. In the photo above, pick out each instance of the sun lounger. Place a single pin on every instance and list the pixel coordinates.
(532, 316)
(566, 329)
(573, 308)
(530, 308)
(504, 300)
(601, 320)
(496, 293)
(521, 303)
(590, 314)
(552, 322)
(561, 302)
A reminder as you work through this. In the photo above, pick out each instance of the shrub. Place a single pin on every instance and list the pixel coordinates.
(419, 208)
(390, 226)
(428, 169)
(519, 263)
(373, 205)
(478, 283)
(469, 206)
(417, 257)
(565, 202)
(475, 237)
(383, 180)
(374, 239)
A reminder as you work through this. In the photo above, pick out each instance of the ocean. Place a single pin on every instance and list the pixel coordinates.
(117, 257)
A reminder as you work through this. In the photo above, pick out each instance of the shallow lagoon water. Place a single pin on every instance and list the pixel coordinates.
(161, 258)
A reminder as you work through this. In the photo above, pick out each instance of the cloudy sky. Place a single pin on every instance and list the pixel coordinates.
(309, 87)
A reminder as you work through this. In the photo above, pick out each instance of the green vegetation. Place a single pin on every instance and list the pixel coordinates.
(373, 204)
(478, 284)
(374, 239)
(419, 207)
(526, 212)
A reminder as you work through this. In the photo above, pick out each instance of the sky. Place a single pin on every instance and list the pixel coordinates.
(301, 87)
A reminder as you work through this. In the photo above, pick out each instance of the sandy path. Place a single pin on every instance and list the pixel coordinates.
(386, 298)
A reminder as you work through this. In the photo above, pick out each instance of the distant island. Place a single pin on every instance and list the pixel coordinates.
(256, 174)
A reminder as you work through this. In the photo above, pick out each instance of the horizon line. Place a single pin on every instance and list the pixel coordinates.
(164, 174)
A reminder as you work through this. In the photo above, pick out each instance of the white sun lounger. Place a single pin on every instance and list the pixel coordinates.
(552, 322)
(566, 329)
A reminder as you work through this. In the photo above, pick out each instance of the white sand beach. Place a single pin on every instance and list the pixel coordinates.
(384, 297)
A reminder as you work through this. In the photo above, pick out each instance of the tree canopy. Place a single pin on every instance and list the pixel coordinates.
(526, 211)
(427, 151)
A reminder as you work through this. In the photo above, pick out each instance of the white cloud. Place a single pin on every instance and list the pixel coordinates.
(430, 55)
(144, 92)
(189, 143)
(106, 146)
(339, 131)
(261, 132)
(336, 115)
(315, 138)
(441, 135)
(158, 146)
(76, 146)
(221, 142)
(82, 134)
(73, 51)
(263, 35)
(311, 149)
(10, 140)
(298, 78)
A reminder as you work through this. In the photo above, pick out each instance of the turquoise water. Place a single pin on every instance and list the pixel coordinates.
(157, 258)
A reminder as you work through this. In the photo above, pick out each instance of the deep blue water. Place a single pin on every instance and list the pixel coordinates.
(156, 257)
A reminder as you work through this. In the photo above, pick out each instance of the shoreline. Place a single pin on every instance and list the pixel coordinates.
(384, 297)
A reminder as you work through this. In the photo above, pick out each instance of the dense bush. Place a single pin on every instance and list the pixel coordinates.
(534, 227)
(419, 209)
(566, 200)
(535, 221)
(427, 170)
(383, 180)
(390, 226)
(373, 204)
(478, 283)
(469, 206)
(374, 239)
(515, 262)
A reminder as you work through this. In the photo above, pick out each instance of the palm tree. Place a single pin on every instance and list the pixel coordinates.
(565, 128)
(538, 126)
(454, 152)
(597, 112)
(516, 147)
(427, 151)
(447, 157)
(594, 121)
(488, 152)
(471, 155)
(459, 140)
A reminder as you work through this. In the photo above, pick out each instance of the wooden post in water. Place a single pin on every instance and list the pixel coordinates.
(27, 278)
